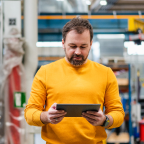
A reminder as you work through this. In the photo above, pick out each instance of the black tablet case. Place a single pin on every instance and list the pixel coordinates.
(75, 110)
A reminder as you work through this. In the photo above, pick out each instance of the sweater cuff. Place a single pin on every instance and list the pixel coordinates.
(36, 118)
(117, 119)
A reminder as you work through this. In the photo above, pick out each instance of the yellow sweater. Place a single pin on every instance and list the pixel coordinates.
(60, 82)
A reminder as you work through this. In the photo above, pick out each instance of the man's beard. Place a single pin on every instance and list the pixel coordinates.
(76, 62)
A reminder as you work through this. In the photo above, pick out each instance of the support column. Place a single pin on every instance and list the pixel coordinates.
(1, 33)
(31, 52)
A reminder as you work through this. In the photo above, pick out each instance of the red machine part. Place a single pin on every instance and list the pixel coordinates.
(14, 85)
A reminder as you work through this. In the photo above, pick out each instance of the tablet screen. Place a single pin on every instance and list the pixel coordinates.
(75, 110)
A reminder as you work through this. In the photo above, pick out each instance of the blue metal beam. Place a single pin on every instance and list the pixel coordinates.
(100, 26)
(51, 29)
(96, 23)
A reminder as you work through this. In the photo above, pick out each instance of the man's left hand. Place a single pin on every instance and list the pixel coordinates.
(94, 118)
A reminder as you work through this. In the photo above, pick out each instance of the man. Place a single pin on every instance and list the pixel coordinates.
(74, 80)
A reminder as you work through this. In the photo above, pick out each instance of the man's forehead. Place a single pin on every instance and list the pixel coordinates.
(76, 32)
(75, 37)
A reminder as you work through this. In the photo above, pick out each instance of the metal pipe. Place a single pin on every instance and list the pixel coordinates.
(1, 34)
(31, 37)
(130, 121)
(31, 51)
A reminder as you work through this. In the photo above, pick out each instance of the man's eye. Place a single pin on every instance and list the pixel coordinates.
(73, 46)
(82, 47)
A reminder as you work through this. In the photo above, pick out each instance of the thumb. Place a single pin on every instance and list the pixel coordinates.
(99, 110)
(54, 106)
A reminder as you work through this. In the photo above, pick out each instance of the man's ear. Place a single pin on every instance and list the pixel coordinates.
(91, 43)
(63, 43)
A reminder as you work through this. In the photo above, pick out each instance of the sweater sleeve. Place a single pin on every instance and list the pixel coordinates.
(112, 102)
(37, 99)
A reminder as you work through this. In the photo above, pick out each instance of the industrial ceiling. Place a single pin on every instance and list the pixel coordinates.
(71, 6)
(119, 5)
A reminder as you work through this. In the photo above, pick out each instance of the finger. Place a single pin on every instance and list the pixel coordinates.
(60, 118)
(91, 123)
(57, 120)
(89, 116)
(94, 113)
(94, 117)
(54, 106)
(94, 123)
(90, 120)
(57, 115)
(56, 111)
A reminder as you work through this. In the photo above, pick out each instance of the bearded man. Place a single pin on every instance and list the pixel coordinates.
(74, 80)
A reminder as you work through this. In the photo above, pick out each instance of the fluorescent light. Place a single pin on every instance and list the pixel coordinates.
(111, 36)
(133, 49)
(103, 2)
(88, 2)
(49, 44)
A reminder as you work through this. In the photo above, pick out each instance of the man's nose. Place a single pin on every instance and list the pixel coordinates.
(78, 51)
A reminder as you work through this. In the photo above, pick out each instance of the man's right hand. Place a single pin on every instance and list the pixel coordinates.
(52, 116)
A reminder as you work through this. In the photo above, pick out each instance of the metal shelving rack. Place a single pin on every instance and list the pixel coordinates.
(116, 67)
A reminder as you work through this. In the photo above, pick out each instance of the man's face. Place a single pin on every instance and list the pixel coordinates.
(77, 47)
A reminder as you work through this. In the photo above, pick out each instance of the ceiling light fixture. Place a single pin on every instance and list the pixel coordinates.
(103, 2)
(111, 36)
(88, 2)
(49, 44)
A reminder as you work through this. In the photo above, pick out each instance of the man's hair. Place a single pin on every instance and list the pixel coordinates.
(79, 25)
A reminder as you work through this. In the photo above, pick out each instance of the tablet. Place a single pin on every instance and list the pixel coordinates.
(75, 110)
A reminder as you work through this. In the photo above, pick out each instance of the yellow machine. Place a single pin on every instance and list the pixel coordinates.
(134, 25)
